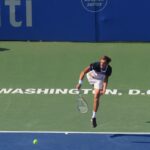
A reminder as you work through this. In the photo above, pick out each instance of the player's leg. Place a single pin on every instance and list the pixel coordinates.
(96, 99)
(95, 106)
(97, 87)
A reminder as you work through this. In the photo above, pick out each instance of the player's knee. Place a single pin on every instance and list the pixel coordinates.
(97, 95)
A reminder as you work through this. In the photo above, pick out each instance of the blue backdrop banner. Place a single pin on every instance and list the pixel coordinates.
(75, 20)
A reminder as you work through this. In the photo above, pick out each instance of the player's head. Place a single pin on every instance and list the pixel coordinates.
(104, 61)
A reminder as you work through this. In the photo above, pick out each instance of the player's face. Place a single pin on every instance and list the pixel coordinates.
(103, 63)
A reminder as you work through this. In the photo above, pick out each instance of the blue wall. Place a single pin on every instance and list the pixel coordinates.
(125, 20)
(68, 20)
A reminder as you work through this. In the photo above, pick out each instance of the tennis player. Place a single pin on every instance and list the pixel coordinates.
(97, 75)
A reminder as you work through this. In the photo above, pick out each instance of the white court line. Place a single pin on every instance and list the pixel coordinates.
(75, 132)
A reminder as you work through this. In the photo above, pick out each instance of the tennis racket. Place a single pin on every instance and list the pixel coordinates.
(82, 105)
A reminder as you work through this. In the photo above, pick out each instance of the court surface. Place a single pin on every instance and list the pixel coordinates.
(37, 91)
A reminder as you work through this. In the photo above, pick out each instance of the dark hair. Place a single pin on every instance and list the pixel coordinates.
(108, 59)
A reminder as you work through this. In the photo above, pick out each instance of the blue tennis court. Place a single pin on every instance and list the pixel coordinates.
(73, 141)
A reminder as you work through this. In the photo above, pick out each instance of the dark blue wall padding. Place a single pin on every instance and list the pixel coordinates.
(68, 20)
(124, 20)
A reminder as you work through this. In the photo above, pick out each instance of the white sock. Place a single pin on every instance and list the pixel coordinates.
(94, 114)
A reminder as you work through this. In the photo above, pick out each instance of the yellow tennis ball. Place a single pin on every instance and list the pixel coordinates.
(35, 141)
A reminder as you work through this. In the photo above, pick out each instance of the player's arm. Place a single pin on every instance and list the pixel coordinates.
(105, 83)
(81, 77)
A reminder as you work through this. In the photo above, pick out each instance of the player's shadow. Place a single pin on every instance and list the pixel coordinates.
(4, 49)
(132, 138)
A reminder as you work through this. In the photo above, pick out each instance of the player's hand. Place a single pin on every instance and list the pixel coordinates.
(78, 86)
(102, 92)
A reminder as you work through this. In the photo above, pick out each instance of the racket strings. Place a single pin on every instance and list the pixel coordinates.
(82, 105)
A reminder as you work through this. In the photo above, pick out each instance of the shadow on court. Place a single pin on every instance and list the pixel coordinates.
(4, 49)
